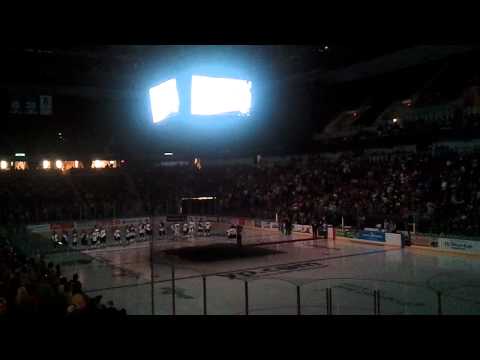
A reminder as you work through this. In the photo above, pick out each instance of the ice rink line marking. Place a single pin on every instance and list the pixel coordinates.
(239, 270)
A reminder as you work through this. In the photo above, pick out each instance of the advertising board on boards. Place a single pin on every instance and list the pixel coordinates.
(459, 245)
(378, 236)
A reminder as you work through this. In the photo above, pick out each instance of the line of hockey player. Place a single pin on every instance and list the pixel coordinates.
(187, 229)
(98, 236)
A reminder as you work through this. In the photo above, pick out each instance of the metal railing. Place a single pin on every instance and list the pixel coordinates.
(191, 292)
(159, 285)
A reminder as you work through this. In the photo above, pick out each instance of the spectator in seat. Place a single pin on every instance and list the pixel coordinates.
(75, 285)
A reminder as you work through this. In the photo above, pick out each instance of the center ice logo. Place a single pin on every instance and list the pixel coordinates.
(179, 292)
(275, 270)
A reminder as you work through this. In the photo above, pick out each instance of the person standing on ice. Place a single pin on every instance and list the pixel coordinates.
(74, 238)
(133, 233)
(191, 228)
(232, 232)
(103, 236)
(314, 225)
(148, 228)
(200, 227)
(54, 238)
(83, 239)
(128, 235)
(96, 235)
(208, 228)
(176, 230)
(161, 229)
(141, 231)
(65, 238)
(117, 235)
(239, 235)
(93, 238)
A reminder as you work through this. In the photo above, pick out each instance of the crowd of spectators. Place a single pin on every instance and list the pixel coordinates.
(36, 196)
(29, 195)
(457, 124)
(30, 286)
(438, 190)
(103, 193)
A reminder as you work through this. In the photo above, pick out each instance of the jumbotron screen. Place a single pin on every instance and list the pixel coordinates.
(164, 100)
(216, 95)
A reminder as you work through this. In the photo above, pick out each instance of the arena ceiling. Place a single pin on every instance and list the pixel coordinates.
(97, 62)
(120, 68)
(114, 71)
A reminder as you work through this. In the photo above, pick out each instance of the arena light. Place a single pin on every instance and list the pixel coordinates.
(20, 165)
(395, 120)
(59, 164)
(46, 164)
(3, 165)
(168, 154)
(164, 100)
(97, 164)
(215, 95)
(20, 154)
(200, 198)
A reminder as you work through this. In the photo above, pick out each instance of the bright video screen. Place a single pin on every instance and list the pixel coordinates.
(214, 95)
(164, 100)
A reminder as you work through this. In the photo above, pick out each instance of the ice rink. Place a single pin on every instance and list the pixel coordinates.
(273, 275)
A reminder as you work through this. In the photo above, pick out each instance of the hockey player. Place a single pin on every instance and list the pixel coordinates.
(74, 238)
(83, 239)
(128, 235)
(94, 237)
(56, 240)
(65, 238)
(117, 236)
(53, 238)
(161, 229)
(96, 232)
(141, 231)
(148, 229)
(232, 232)
(185, 229)
(103, 236)
(208, 227)
(133, 233)
(191, 228)
(59, 239)
(91, 238)
(200, 227)
(176, 229)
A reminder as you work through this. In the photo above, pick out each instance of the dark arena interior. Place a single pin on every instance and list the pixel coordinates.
(327, 179)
